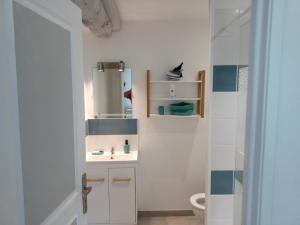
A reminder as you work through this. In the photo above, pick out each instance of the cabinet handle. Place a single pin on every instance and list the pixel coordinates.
(95, 180)
(121, 180)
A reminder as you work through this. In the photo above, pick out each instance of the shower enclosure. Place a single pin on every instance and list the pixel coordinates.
(242, 87)
(230, 42)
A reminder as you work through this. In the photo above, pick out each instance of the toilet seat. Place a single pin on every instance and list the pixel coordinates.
(195, 198)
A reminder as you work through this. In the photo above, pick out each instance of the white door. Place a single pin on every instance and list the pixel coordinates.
(44, 68)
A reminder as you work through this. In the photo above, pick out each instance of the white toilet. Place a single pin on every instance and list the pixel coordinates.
(198, 200)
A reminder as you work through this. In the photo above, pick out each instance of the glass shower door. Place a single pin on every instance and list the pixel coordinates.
(231, 50)
(242, 89)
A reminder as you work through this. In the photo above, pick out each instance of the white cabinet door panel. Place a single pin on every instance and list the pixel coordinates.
(98, 199)
(122, 196)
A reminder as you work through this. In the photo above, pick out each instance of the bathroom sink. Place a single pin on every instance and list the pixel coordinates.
(119, 156)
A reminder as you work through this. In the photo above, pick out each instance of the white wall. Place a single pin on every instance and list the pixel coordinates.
(173, 151)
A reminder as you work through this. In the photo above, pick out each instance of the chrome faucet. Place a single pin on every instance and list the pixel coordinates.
(112, 152)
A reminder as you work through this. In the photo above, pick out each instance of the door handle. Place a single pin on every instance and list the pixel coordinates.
(95, 180)
(85, 191)
(121, 180)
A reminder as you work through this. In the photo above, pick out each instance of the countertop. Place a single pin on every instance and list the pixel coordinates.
(118, 157)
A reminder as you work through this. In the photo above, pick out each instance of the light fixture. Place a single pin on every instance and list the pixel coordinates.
(121, 66)
(100, 67)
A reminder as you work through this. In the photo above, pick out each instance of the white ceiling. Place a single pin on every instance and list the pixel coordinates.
(149, 10)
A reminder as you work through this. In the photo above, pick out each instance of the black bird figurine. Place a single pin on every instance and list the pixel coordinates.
(176, 73)
(178, 68)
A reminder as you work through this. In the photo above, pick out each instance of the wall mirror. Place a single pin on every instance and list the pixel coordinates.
(112, 91)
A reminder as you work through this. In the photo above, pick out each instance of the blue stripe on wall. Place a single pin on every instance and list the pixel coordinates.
(111, 126)
(222, 182)
(225, 78)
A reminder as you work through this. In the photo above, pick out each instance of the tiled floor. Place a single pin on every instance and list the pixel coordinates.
(178, 220)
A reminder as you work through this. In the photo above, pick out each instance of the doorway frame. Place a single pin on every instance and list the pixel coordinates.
(257, 120)
(10, 160)
(267, 41)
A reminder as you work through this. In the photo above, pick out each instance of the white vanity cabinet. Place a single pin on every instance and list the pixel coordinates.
(113, 196)
(122, 195)
(98, 199)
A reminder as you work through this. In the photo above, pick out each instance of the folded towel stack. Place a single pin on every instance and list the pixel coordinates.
(175, 74)
(182, 109)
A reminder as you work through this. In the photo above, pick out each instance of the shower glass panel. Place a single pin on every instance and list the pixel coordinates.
(231, 50)
(242, 87)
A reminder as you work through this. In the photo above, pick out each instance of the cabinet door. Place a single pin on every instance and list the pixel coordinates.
(98, 199)
(122, 196)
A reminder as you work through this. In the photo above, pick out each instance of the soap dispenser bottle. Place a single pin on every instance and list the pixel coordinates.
(126, 147)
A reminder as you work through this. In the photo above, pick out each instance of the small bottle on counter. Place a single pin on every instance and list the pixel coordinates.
(126, 147)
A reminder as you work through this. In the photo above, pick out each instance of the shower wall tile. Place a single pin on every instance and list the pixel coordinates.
(221, 207)
(222, 182)
(223, 157)
(225, 17)
(226, 50)
(225, 78)
(224, 104)
(223, 131)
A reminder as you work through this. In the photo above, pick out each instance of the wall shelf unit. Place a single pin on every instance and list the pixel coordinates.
(175, 99)
(172, 116)
(169, 81)
(199, 99)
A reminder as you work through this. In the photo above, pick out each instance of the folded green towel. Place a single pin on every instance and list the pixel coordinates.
(182, 107)
(182, 113)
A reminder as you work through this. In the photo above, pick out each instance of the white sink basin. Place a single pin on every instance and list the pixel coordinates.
(119, 156)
